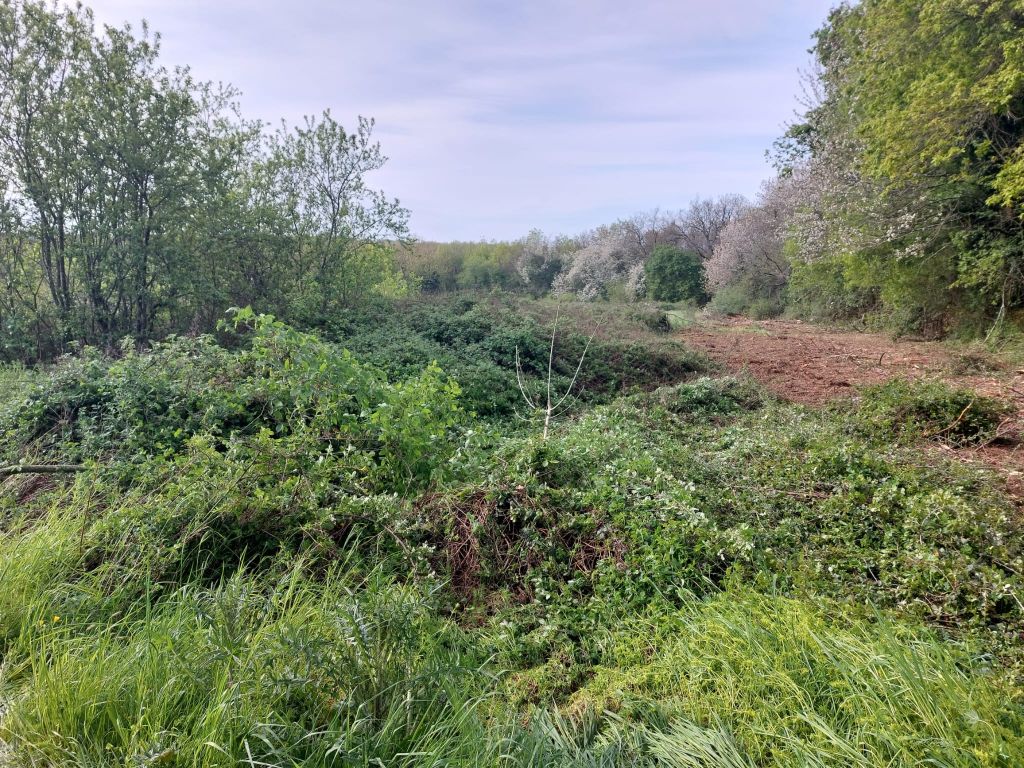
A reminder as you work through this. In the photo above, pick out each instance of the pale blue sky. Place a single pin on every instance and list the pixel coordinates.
(503, 116)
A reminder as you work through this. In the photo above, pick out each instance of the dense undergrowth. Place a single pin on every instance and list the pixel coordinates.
(475, 341)
(281, 553)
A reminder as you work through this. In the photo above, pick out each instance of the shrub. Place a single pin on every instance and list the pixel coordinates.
(653, 319)
(929, 409)
(674, 274)
(765, 309)
(711, 397)
(730, 300)
(475, 341)
(820, 290)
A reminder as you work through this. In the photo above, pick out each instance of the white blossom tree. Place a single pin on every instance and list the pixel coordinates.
(591, 269)
(540, 260)
(751, 246)
(698, 228)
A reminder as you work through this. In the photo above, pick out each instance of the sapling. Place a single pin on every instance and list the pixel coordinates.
(551, 408)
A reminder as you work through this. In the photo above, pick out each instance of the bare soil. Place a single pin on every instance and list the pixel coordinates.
(807, 364)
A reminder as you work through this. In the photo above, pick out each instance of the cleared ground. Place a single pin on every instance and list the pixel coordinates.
(808, 364)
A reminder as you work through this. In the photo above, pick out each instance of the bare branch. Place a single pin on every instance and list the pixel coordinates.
(40, 469)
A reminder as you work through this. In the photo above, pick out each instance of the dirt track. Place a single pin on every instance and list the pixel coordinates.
(807, 364)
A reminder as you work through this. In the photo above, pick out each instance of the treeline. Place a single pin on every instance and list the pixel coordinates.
(900, 194)
(659, 255)
(136, 201)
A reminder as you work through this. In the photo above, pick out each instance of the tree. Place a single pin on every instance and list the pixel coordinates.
(540, 260)
(110, 157)
(589, 272)
(751, 249)
(674, 274)
(340, 227)
(698, 228)
(911, 149)
(609, 256)
(135, 201)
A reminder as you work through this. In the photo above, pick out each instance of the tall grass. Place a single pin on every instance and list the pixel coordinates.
(16, 381)
(778, 682)
(296, 672)
(248, 673)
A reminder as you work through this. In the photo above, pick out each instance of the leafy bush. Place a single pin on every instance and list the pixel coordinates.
(654, 319)
(820, 290)
(929, 409)
(730, 300)
(90, 405)
(765, 309)
(287, 383)
(712, 397)
(904, 297)
(626, 505)
(476, 341)
(674, 274)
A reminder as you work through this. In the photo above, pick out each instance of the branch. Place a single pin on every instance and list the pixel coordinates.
(519, 379)
(578, 369)
(40, 469)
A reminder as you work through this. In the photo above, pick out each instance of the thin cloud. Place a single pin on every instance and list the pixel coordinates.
(503, 117)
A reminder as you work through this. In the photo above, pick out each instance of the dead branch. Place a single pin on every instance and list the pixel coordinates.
(40, 469)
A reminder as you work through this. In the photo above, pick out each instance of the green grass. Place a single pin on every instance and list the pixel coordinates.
(788, 684)
(17, 382)
(282, 673)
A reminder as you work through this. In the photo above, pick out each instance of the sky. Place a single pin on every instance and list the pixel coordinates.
(501, 117)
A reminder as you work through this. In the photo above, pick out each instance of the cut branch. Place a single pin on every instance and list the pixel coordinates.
(40, 469)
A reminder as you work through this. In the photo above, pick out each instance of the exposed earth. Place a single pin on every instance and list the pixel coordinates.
(807, 364)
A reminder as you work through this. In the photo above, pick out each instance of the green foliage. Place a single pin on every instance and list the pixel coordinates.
(975, 74)
(278, 554)
(450, 267)
(712, 397)
(654, 319)
(911, 166)
(475, 341)
(675, 275)
(285, 384)
(731, 300)
(136, 202)
(629, 508)
(292, 672)
(765, 309)
(930, 409)
(775, 682)
(822, 290)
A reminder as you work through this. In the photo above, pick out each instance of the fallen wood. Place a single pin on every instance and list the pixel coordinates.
(40, 469)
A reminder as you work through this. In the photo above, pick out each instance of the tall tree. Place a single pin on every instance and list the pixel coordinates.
(341, 227)
(698, 228)
(912, 148)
